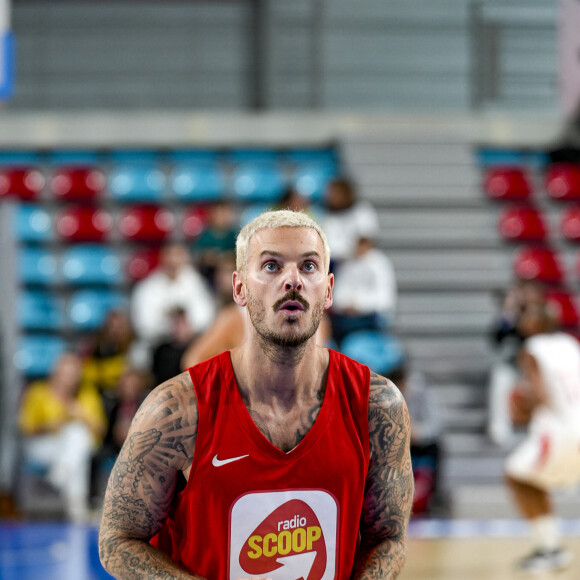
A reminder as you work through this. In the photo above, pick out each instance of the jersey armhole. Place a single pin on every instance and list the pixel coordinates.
(366, 434)
(200, 432)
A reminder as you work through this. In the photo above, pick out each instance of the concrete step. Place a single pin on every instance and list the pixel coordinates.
(458, 395)
(437, 227)
(470, 420)
(448, 358)
(493, 501)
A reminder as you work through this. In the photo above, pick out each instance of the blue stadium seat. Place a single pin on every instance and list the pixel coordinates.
(310, 179)
(19, 158)
(258, 181)
(91, 264)
(380, 351)
(135, 156)
(252, 156)
(326, 156)
(70, 157)
(197, 182)
(36, 355)
(87, 309)
(38, 310)
(193, 156)
(32, 223)
(136, 182)
(36, 266)
(252, 211)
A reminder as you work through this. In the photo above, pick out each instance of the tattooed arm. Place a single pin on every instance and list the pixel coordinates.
(159, 445)
(389, 485)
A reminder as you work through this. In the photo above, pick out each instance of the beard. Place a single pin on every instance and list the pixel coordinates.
(257, 313)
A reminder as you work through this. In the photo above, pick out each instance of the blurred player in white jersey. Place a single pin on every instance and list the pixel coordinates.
(548, 400)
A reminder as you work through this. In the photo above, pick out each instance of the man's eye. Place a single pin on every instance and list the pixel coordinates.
(310, 266)
(270, 266)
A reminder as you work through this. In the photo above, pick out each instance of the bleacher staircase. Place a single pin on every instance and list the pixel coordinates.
(441, 234)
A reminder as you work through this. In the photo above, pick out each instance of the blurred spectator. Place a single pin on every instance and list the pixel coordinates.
(346, 219)
(294, 200)
(507, 341)
(222, 279)
(62, 422)
(426, 432)
(227, 331)
(218, 237)
(168, 354)
(365, 291)
(108, 355)
(131, 390)
(175, 283)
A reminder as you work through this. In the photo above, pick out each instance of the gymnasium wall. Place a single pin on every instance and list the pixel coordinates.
(442, 55)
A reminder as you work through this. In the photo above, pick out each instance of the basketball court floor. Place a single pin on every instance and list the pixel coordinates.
(438, 550)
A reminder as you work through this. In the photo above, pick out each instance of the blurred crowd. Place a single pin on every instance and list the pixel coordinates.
(74, 422)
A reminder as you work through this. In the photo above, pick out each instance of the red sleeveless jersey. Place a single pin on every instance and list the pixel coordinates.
(248, 508)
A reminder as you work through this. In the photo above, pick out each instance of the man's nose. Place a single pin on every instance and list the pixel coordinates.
(293, 280)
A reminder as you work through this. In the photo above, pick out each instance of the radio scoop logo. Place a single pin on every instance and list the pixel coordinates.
(288, 544)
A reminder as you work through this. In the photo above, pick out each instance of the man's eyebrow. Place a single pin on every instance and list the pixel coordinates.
(310, 254)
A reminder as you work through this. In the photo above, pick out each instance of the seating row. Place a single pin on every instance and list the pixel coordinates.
(85, 309)
(35, 353)
(84, 265)
(514, 183)
(147, 181)
(527, 223)
(524, 223)
(172, 155)
(35, 223)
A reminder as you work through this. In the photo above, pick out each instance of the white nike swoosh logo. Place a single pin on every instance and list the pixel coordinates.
(219, 462)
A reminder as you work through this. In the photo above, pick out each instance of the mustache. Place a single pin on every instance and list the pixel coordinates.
(293, 295)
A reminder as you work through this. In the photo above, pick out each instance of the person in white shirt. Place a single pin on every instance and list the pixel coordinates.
(346, 219)
(174, 284)
(365, 291)
(548, 400)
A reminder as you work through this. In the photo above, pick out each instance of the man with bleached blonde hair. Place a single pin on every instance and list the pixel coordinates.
(295, 459)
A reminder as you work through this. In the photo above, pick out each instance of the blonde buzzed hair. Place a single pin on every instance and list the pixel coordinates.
(270, 220)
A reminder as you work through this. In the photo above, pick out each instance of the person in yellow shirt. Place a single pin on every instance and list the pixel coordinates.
(62, 423)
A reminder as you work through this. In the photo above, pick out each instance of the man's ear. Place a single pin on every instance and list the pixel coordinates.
(239, 288)
(328, 299)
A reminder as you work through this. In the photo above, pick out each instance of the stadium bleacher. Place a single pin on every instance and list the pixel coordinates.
(88, 223)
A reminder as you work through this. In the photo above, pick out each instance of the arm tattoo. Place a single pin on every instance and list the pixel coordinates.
(389, 486)
(141, 486)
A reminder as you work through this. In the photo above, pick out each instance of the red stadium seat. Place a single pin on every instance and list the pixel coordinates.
(564, 306)
(77, 183)
(21, 182)
(540, 264)
(563, 181)
(570, 223)
(146, 223)
(83, 224)
(141, 263)
(194, 221)
(522, 224)
(507, 183)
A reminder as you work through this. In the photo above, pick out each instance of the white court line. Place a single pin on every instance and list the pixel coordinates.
(460, 528)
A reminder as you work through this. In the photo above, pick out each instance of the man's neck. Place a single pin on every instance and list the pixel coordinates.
(279, 375)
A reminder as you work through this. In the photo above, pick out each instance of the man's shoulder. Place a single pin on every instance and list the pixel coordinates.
(174, 397)
(384, 393)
